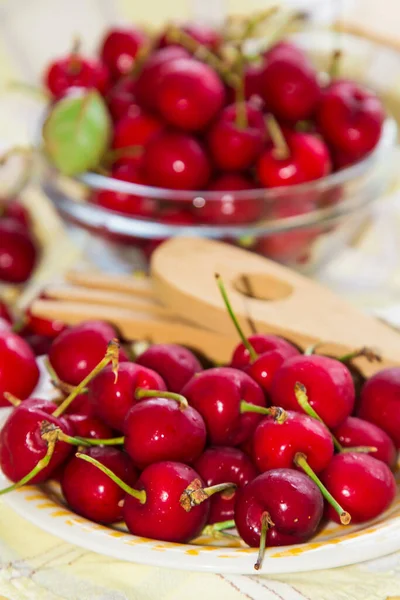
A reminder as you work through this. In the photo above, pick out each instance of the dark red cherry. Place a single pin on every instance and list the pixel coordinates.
(363, 485)
(39, 344)
(262, 343)
(218, 465)
(176, 364)
(18, 252)
(119, 49)
(111, 400)
(121, 99)
(75, 71)
(19, 372)
(87, 426)
(137, 128)
(5, 312)
(17, 211)
(81, 405)
(91, 493)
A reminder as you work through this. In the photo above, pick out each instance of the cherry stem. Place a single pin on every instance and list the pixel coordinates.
(369, 353)
(255, 21)
(84, 441)
(250, 349)
(56, 381)
(242, 121)
(281, 149)
(110, 356)
(50, 437)
(140, 495)
(266, 523)
(335, 64)
(276, 412)
(12, 399)
(128, 151)
(195, 494)
(300, 460)
(181, 400)
(310, 350)
(217, 530)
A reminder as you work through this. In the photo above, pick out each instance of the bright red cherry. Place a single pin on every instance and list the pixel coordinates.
(235, 146)
(87, 426)
(111, 400)
(176, 364)
(81, 405)
(190, 95)
(77, 351)
(121, 98)
(119, 49)
(328, 382)
(137, 128)
(75, 71)
(357, 432)
(218, 395)
(262, 343)
(18, 252)
(176, 161)
(44, 327)
(363, 485)
(91, 493)
(19, 372)
(350, 117)
(276, 444)
(218, 465)
(380, 402)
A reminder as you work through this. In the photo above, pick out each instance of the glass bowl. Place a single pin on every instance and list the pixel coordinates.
(302, 226)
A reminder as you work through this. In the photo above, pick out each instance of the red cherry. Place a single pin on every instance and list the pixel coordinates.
(19, 372)
(263, 369)
(75, 71)
(43, 327)
(357, 432)
(18, 252)
(119, 49)
(176, 161)
(39, 344)
(276, 444)
(308, 159)
(21, 445)
(81, 406)
(217, 395)
(292, 502)
(148, 82)
(285, 48)
(87, 426)
(328, 383)
(17, 211)
(363, 485)
(162, 429)
(221, 464)
(5, 312)
(380, 402)
(253, 80)
(121, 98)
(262, 343)
(234, 147)
(290, 86)
(91, 493)
(77, 351)
(203, 34)
(176, 364)
(350, 118)
(161, 516)
(190, 94)
(111, 400)
(137, 128)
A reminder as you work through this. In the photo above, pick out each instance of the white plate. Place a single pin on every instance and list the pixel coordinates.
(335, 546)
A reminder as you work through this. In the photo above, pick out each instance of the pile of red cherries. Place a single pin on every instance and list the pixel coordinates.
(273, 444)
(189, 115)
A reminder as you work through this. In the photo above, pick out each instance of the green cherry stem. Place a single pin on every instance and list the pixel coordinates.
(56, 381)
(276, 412)
(369, 353)
(266, 523)
(217, 531)
(12, 399)
(181, 400)
(250, 349)
(111, 356)
(241, 109)
(281, 149)
(300, 460)
(138, 494)
(195, 494)
(83, 441)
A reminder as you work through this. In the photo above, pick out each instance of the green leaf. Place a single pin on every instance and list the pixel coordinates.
(77, 133)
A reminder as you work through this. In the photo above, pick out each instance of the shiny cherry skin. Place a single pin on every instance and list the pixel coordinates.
(160, 429)
(147, 84)
(380, 402)
(357, 432)
(21, 445)
(328, 382)
(263, 368)
(87, 426)
(176, 364)
(220, 464)
(18, 252)
(75, 71)
(290, 86)
(137, 128)
(121, 99)
(309, 159)
(119, 49)
(217, 394)
(350, 117)
(276, 444)
(236, 148)
(111, 400)
(161, 517)
(77, 350)
(5, 312)
(190, 94)
(364, 486)
(90, 492)
(262, 343)
(292, 500)
(176, 161)
(19, 372)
